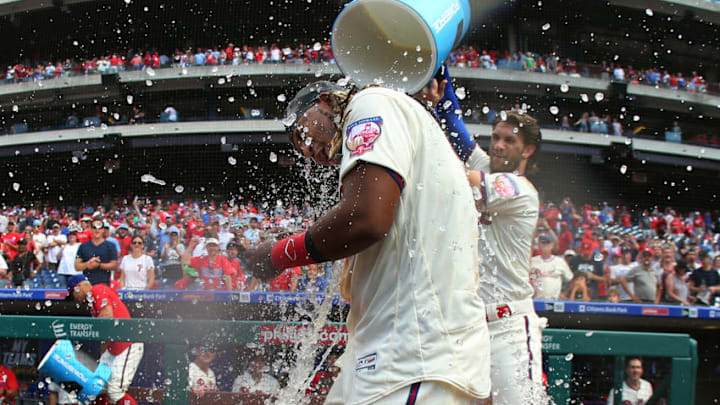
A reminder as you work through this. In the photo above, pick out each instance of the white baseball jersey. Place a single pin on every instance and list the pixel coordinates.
(415, 312)
(548, 275)
(631, 396)
(63, 397)
(136, 271)
(621, 270)
(507, 226)
(198, 379)
(245, 383)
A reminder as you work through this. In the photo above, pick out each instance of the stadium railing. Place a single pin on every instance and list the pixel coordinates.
(559, 345)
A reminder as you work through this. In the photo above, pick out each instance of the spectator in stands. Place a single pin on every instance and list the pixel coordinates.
(256, 380)
(151, 246)
(311, 281)
(201, 377)
(252, 234)
(68, 254)
(97, 258)
(676, 285)
(214, 270)
(621, 270)
(170, 259)
(287, 280)
(110, 238)
(10, 239)
(137, 270)
(124, 238)
(24, 266)
(239, 280)
(547, 272)
(577, 288)
(645, 280)
(613, 295)
(9, 388)
(704, 282)
(137, 116)
(635, 390)
(55, 242)
(592, 266)
(4, 274)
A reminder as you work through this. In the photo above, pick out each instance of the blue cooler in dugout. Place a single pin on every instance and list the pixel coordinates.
(61, 364)
(399, 44)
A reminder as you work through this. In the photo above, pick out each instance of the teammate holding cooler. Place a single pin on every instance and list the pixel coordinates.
(417, 328)
(508, 205)
(123, 358)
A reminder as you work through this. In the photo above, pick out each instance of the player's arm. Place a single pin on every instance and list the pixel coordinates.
(363, 217)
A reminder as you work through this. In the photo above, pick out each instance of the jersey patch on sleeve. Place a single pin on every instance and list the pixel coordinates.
(361, 135)
(504, 186)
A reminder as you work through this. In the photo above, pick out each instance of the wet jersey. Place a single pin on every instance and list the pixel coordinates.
(415, 312)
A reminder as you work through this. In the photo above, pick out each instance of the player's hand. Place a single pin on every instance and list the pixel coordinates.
(259, 263)
(432, 93)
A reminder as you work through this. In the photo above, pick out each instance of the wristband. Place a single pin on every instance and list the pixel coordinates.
(291, 252)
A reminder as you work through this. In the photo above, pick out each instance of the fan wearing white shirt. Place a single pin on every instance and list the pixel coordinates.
(67, 255)
(137, 270)
(547, 272)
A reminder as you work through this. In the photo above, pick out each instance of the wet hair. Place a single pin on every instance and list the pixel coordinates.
(529, 130)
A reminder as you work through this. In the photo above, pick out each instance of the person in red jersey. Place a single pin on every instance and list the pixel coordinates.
(8, 385)
(123, 358)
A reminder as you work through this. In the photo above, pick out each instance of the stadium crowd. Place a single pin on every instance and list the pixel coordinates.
(589, 252)
(230, 54)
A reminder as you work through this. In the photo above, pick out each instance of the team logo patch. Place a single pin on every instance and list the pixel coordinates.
(361, 135)
(504, 186)
(366, 363)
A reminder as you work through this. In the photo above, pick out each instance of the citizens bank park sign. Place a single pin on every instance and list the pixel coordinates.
(291, 335)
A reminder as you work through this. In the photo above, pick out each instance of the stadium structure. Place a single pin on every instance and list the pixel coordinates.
(78, 138)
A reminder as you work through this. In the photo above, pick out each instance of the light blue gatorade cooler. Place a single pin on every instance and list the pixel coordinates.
(397, 43)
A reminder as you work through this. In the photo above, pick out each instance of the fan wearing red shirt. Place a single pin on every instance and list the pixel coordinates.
(8, 385)
(123, 358)
(214, 269)
(287, 280)
(239, 280)
(86, 234)
(10, 239)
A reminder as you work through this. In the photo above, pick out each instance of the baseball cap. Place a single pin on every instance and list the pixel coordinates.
(86, 218)
(306, 98)
(98, 224)
(73, 281)
(646, 251)
(22, 242)
(209, 241)
(173, 229)
(545, 238)
(123, 226)
(56, 225)
(569, 252)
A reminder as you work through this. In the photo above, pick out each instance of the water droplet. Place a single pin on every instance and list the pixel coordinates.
(564, 88)
(232, 161)
(447, 104)
(420, 186)
(554, 110)
(419, 59)
(649, 12)
(249, 83)
(273, 157)
(623, 169)
(589, 333)
(317, 46)
(223, 140)
(149, 178)
(546, 26)
(281, 98)
(150, 71)
(11, 174)
(636, 118)
(48, 303)
(689, 168)
(584, 97)
(148, 82)
(38, 306)
(485, 109)
(460, 93)
(231, 99)
(569, 357)
(405, 79)
(308, 141)
(179, 189)
(221, 81)
(503, 116)
(76, 43)
(41, 384)
(16, 186)
(289, 120)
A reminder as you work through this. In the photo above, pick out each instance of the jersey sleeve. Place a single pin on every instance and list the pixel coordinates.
(478, 160)
(196, 262)
(376, 131)
(503, 194)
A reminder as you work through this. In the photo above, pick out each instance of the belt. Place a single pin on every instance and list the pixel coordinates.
(493, 312)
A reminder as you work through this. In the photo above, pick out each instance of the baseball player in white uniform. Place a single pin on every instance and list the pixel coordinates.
(509, 207)
(635, 390)
(417, 328)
